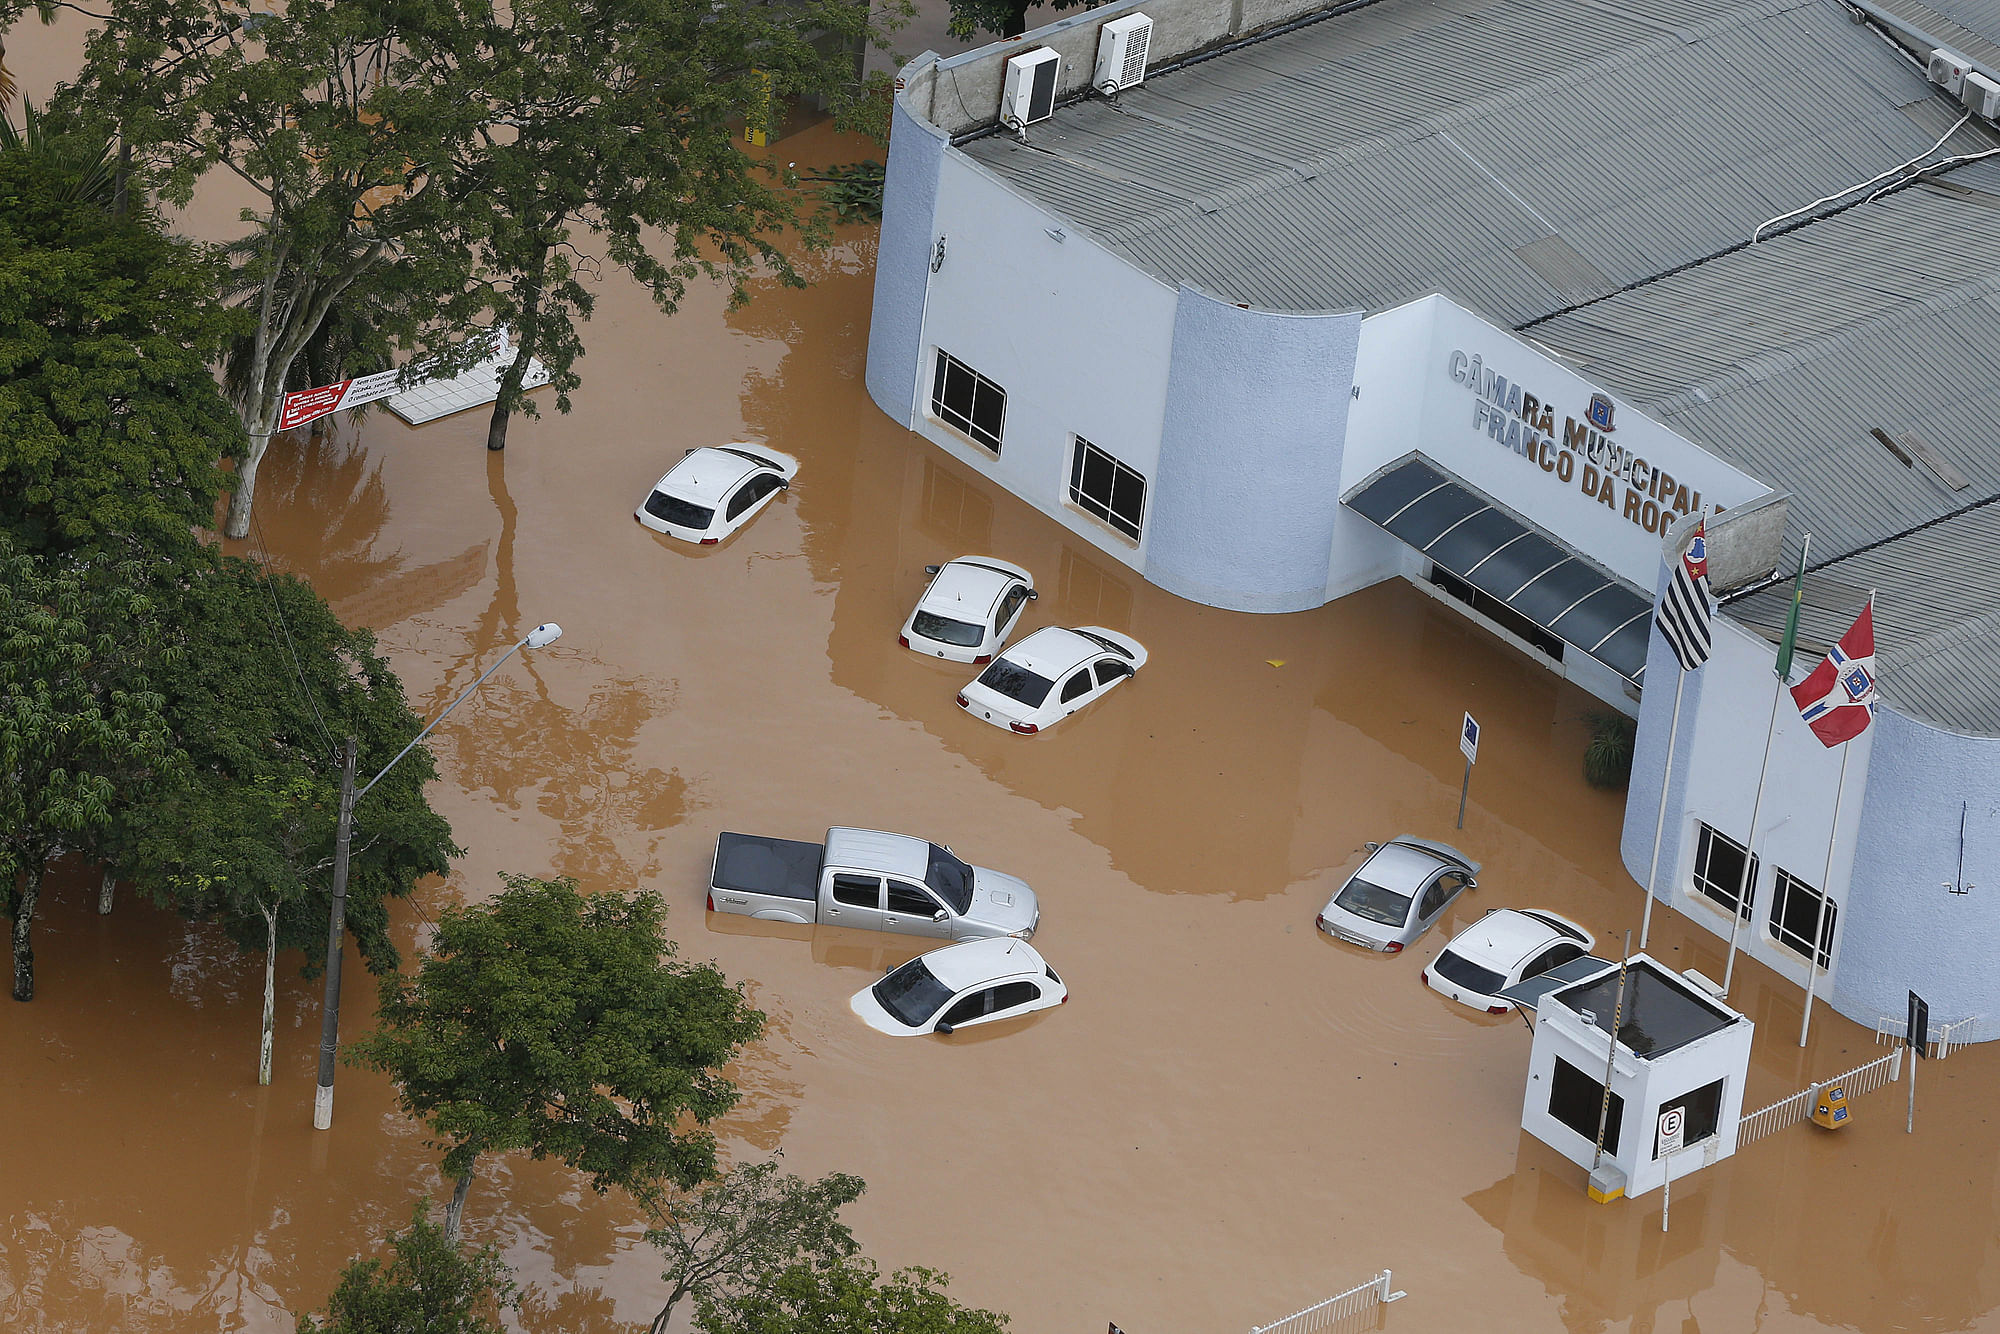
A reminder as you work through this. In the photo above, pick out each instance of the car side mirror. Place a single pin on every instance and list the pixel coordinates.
(940, 915)
(1033, 596)
(932, 570)
(944, 1028)
(1471, 884)
(1374, 847)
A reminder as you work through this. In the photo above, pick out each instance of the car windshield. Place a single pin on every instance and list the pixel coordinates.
(912, 993)
(947, 631)
(1457, 968)
(951, 878)
(1374, 902)
(1017, 682)
(678, 512)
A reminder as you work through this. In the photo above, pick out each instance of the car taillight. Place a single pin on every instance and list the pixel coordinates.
(1393, 947)
(711, 903)
(710, 541)
(1321, 919)
(962, 703)
(982, 660)
(904, 640)
(1025, 729)
(1064, 1000)
(1496, 1009)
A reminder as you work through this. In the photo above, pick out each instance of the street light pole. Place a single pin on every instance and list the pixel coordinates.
(336, 928)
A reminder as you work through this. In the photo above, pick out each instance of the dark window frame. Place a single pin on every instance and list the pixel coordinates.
(1722, 893)
(1068, 693)
(1788, 887)
(839, 876)
(1574, 1094)
(1701, 1115)
(958, 401)
(1120, 482)
(891, 885)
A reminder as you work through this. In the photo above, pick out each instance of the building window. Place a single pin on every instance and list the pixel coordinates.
(1718, 871)
(1576, 1100)
(1795, 907)
(1107, 488)
(1701, 1113)
(968, 400)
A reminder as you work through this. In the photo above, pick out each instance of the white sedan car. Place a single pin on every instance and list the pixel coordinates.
(1500, 949)
(1049, 675)
(712, 492)
(971, 606)
(960, 985)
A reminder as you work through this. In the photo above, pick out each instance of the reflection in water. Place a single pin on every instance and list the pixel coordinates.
(1232, 1118)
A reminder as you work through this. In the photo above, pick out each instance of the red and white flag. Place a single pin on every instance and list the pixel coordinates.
(1838, 699)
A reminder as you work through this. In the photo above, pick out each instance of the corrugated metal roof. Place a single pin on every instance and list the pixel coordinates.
(1982, 16)
(1510, 152)
(1787, 357)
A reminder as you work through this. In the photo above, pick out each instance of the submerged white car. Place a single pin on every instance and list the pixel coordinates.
(972, 605)
(712, 492)
(1397, 894)
(1051, 674)
(960, 985)
(1504, 947)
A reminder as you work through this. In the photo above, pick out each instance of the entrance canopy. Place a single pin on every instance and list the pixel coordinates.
(1467, 533)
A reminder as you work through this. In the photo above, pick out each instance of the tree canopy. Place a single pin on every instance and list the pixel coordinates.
(560, 1023)
(111, 425)
(851, 1297)
(428, 1286)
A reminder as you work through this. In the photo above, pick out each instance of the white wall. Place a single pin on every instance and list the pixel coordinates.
(1721, 760)
(1080, 339)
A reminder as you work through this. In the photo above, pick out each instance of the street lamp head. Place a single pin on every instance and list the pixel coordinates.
(544, 635)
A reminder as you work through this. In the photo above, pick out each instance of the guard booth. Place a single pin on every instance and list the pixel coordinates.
(1677, 1047)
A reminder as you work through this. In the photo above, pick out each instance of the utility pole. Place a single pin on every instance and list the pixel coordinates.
(336, 932)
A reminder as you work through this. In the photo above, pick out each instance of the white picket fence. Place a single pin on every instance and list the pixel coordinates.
(1944, 1037)
(1357, 1300)
(1788, 1112)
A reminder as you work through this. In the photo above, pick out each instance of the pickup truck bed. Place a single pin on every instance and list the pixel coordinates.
(780, 867)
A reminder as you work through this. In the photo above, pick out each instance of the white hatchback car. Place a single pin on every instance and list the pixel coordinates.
(1042, 680)
(971, 606)
(712, 492)
(960, 985)
(1504, 947)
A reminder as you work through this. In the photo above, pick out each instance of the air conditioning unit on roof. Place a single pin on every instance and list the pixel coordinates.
(1948, 69)
(1981, 96)
(1030, 92)
(1121, 53)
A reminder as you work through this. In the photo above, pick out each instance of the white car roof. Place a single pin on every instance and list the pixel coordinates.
(1051, 651)
(873, 850)
(1400, 867)
(706, 476)
(1504, 938)
(980, 961)
(966, 588)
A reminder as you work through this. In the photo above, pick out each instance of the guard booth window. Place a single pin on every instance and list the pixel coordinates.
(1701, 1111)
(1718, 871)
(968, 400)
(1574, 1100)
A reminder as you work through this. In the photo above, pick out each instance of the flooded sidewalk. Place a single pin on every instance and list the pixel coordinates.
(1234, 1115)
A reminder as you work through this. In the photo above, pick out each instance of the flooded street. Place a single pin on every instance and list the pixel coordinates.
(1234, 1116)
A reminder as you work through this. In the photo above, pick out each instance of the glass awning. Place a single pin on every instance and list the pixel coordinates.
(1465, 532)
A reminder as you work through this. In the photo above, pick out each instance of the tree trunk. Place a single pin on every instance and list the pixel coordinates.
(104, 889)
(524, 347)
(270, 989)
(24, 923)
(238, 524)
(659, 1325)
(455, 1211)
(1018, 22)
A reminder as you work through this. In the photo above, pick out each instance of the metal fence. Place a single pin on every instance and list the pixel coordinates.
(1944, 1039)
(1788, 1112)
(1357, 1300)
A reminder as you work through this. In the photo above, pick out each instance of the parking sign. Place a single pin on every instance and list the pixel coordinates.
(1673, 1130)
(1468, 738)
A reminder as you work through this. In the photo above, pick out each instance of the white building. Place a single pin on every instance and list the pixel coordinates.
(1460, 293)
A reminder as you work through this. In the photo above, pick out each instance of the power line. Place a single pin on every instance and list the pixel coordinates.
(1864, 549)
(298, 668)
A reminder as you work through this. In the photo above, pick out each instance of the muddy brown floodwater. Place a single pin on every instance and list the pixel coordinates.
(1234, 1117)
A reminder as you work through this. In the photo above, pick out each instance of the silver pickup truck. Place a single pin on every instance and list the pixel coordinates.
(871, 880)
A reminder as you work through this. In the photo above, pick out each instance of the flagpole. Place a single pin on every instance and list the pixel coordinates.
(1750, 843)
(1660, 824)
(1825, 894)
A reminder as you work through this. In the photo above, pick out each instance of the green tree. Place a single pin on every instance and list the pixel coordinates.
(1003, 18)
(110, 421)
(306, 105)
(429, 1286)
(560, 1023)
(243, 832)
(81, 727)
(846, 1298)
(735, 1235)
(614, 135)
